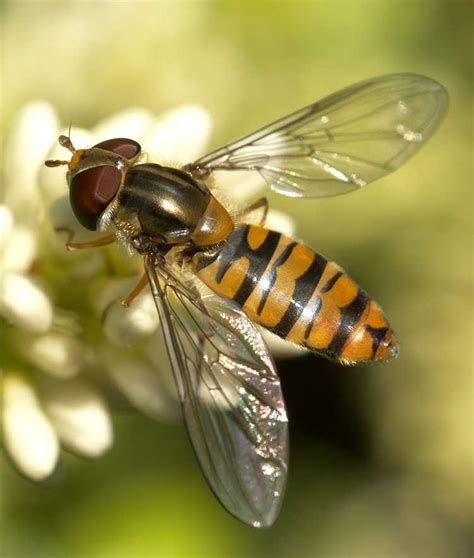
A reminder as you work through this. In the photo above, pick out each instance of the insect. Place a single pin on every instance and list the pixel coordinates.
(213, 274)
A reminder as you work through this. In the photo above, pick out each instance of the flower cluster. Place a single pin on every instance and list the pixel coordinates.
(68, 347)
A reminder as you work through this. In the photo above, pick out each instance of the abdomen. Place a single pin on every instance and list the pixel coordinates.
(297, 294)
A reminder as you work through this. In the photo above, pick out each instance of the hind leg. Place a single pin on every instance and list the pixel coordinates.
(259, 209)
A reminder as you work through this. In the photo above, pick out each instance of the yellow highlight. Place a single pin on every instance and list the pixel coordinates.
(283, 288)
(231, 281)
(75, 158)
(256, 237)
(358, 348)
(375, 317)
(343, 292)
(325, 326)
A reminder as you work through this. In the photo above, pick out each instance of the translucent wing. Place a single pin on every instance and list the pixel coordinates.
(342, 142)
(231, 397)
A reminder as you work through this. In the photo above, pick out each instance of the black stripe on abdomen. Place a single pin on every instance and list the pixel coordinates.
(304, 289)
(270, 281)
(236, 246)
(350, 315)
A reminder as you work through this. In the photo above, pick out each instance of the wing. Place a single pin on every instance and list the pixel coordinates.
(230, 394)
(340, 143)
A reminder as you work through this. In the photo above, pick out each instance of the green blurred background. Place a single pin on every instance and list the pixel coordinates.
(380, 455)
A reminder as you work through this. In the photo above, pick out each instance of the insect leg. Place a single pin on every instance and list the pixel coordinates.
(132, 295)
(261, 206)
(103, 241)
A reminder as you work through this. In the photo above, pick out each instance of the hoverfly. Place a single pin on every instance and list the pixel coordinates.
(214, 275)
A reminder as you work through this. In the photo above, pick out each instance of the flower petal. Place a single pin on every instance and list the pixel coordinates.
(240, 187)
(79, 415)
(61, 217)
(157, 355)
(34, 131)
(179, 137)
(6, 226)
(55, 353)
(28, 434)
(279, 348)
(20, 250)
(142, 384)
(63, 223)
(24, 303)
(126, 326)
(131, 123)
(281, 222)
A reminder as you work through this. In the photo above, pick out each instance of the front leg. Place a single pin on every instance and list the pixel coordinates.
(96, 243)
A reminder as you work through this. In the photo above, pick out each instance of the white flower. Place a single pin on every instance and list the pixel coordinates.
(47, 398)
(28, 433)
(40, 356)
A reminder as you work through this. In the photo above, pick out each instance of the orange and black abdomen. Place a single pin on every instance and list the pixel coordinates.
(297, 294)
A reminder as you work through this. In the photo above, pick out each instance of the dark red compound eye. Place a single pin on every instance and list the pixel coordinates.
(121, 146)
(91, 191)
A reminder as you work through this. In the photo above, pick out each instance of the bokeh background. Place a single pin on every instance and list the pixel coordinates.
(380, 455)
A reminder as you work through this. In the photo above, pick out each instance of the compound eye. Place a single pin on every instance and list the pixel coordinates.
(91, 191)
(124, 147)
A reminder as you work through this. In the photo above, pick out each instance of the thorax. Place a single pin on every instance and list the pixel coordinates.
(168, 206)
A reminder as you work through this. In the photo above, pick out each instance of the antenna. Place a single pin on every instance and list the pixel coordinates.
(66, 142)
